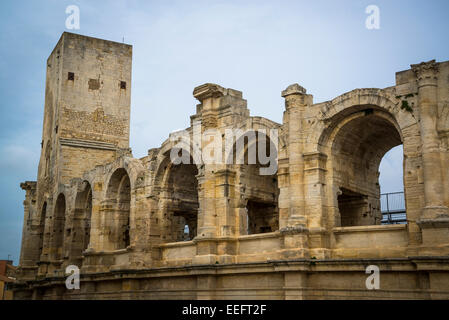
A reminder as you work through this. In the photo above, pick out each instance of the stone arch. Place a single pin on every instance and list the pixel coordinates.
(178, 201)
(81, 222)
(57, 232)
(355, 142)
(259, 211)
(334, 111)
(134, 169)
(116, 211)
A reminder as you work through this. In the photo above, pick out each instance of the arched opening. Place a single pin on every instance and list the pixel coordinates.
(259, 187)
(81, 223)
(58, 228)
(391, 180)
(117, 213)
(179, 202)
(357, 150)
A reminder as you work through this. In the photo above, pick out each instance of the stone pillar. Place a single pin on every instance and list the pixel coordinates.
(91, 261)
(140, 226)
(294, 231)
(207, 224)
(206, 244)
(295, 103)
(225, 192)
(427, 76)
(209, 95)
(44, 260)
(314, 181)
(434, 220)
(284, 194)
(29, 252)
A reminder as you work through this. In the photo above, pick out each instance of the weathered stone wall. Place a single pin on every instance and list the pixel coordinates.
(307, 231)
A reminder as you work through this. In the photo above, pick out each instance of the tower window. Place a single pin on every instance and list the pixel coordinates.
(122, 84)
(71, 76)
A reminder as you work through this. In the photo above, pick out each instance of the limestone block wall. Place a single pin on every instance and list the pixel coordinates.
(315, 220)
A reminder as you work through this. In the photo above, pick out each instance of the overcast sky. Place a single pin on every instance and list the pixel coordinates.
(258, 47)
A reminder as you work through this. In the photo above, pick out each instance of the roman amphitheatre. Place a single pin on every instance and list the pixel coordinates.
(149, 228)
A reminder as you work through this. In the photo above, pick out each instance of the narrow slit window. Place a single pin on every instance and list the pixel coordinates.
(71, 76)
(122, 84)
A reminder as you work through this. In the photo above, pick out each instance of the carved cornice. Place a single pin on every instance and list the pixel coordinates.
(426, 72)
(28, 185)
(293, 89)
(208, 90)
(87, 144)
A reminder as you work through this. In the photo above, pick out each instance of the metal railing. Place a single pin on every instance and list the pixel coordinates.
(392, 206)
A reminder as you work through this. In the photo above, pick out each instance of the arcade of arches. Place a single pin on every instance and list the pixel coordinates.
(147, 228)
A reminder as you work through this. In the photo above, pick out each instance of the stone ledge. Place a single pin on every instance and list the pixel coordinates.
(274, 234)
(434, 223)
(305, 265)
(87, 144)
(370, 228)
(177, 244)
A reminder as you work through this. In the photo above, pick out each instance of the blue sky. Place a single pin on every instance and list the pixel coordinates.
(258, 47)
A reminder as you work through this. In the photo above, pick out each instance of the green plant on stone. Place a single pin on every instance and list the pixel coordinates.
(405, 106)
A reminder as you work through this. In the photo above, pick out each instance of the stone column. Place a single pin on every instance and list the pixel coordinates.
(427, 76)
(29, 251)
(314, 181)
(295, 232)
(44, 259)
(91, 261)
(140, 226)
(209, 95)
(295, 102)
(224, 189)
(207, 224)
(284, 194)
(434, 220)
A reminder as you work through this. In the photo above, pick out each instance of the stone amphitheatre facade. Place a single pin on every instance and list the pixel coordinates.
(151, 229)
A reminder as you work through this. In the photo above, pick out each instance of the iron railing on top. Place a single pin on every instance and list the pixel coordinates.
(393, 208)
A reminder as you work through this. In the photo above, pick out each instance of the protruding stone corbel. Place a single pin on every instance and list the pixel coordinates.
(208, 90)
(293, 89)
(295, 96)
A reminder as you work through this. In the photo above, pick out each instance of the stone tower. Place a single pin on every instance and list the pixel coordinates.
(86, 123)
